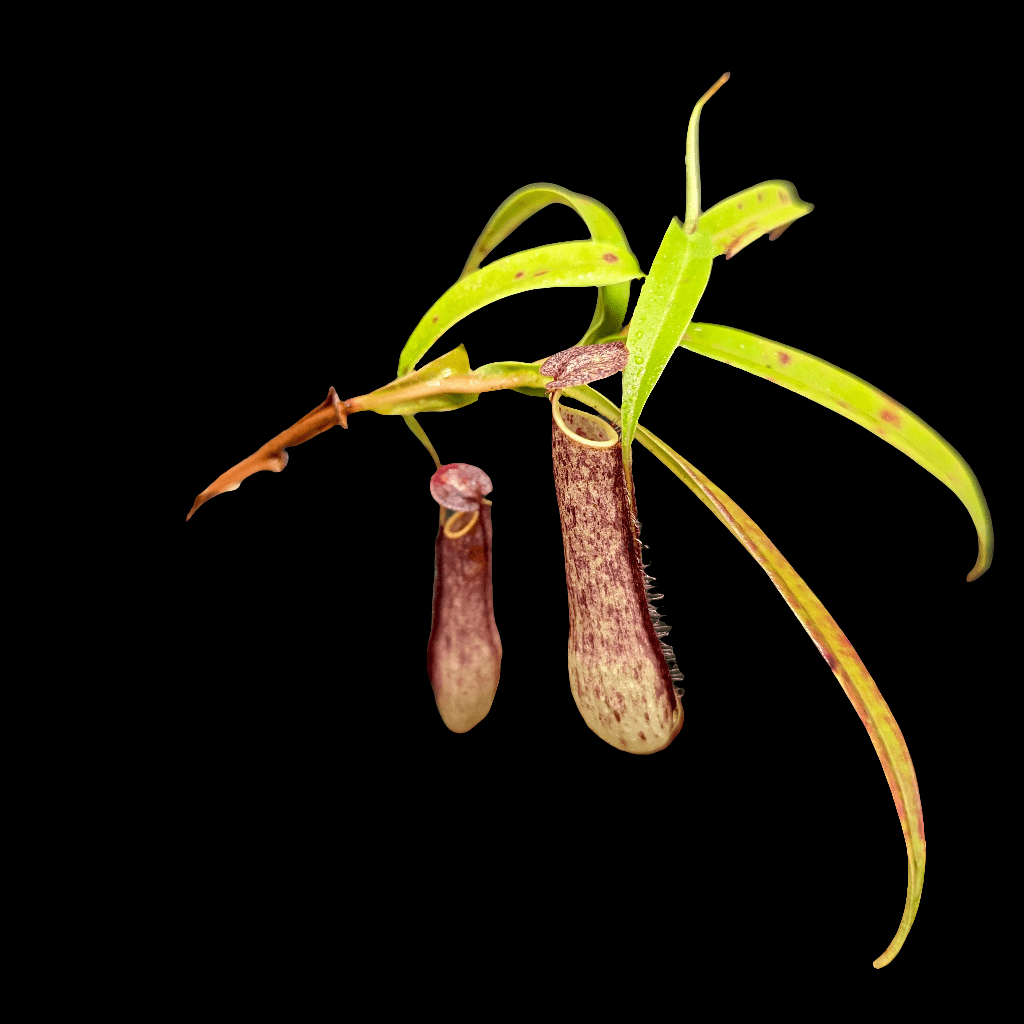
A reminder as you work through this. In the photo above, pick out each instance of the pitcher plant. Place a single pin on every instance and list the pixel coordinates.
(622, 673)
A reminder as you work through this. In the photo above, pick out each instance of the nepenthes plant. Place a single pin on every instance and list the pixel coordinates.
(623, 676)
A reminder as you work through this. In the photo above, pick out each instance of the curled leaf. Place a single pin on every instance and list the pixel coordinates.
(612, 299)
(765, 209)
(563, 265)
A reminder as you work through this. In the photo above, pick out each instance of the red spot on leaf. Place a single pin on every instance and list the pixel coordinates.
(759, 197)
(739, 206)
(890, 417)
(783, 358)
(434, 321)
(539, 272)
(610, 257)
(519, 275)
(831, 659)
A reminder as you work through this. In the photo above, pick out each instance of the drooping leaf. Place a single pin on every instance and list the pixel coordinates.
(669, 297)
(612, 299)
(768, 208)
(857, 400)
(832, 644)
(563, 265)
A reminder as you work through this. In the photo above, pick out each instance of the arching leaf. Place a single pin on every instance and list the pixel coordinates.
(612, 299)
(857, 400)
(765, 209)
(563, 265)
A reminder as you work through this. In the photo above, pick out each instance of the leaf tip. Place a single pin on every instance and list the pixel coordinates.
(981, 566)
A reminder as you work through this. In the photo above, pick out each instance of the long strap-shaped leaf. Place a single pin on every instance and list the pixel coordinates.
(830, 640)
(612, 299)
(857, 400)
(563, 265)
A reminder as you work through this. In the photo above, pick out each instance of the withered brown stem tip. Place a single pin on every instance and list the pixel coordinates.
(272, 456)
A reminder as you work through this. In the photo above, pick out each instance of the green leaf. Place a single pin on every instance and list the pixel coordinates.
(831, 642)
(857, 400)
(533, 380)
(612, 299)
(453, 363)
(509, 367)
(563, 265)
(743, 218)
(669, 297)
(448, 383)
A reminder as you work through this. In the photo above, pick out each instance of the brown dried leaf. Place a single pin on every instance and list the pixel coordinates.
(272, 456)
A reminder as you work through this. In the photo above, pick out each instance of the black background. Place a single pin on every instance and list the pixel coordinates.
(322, 213)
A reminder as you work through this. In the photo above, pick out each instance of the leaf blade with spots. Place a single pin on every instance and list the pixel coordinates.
(612, 299)
(562, 265)
(857, 400)
(768, 208)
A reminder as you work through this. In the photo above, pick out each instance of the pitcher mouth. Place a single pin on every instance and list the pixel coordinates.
(610, 440)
